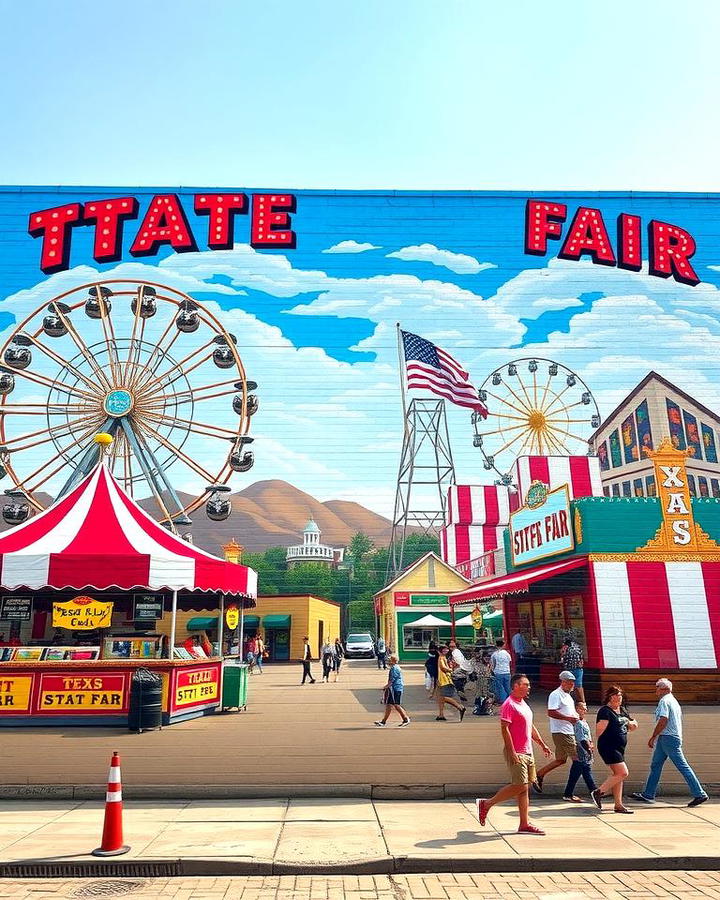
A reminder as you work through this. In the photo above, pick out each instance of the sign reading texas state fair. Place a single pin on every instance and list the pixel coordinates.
(541, 530)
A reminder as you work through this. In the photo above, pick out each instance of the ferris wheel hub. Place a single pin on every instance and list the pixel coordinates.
(118, 402)
(537, 420)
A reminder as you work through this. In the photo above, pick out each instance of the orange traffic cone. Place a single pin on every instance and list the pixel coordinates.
(112, 837)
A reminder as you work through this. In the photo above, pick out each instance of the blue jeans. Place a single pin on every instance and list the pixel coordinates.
(502, 687)
(668, 747)
(577, 769)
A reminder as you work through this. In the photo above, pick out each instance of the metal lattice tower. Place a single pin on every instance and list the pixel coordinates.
(426, 472)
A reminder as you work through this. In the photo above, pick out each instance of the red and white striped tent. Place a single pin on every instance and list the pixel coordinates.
(98, 537)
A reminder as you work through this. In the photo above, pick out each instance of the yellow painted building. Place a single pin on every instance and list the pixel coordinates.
(422, 590)
(283, 621)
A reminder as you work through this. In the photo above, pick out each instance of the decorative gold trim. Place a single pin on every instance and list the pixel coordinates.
(640, 556)
(577, 522)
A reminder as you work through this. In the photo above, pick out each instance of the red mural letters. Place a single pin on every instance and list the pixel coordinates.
(164, 223)
(669, 247)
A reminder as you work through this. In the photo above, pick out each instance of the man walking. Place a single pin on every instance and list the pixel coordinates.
(462, 669)
(666, 743)
(307, 657)
(381, 653)
(518, 732)
(563, 716)
(500, 665)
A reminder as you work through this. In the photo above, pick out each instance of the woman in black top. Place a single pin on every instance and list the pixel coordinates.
(613, 724)
(431, 667)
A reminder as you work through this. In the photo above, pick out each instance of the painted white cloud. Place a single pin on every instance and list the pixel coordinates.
(545, 304)
(456, 262)
(351, 247)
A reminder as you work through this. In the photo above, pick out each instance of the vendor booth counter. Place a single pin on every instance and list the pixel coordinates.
(78, 693)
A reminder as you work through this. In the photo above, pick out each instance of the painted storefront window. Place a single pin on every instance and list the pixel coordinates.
(615, 454)
(715, 487)
(650, 486)
(692, 485)
(708, 439)
(703, 486)
(602, 453)
(677, 435)
(629, 439)
(692, 435)
(638, 487)
(627, 489)
(645, 440)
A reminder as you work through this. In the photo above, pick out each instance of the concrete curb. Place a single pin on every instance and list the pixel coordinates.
(385, 865)
(449, 791)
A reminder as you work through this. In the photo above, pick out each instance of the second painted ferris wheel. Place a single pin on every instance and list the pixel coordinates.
(537, 407)
(143, 362)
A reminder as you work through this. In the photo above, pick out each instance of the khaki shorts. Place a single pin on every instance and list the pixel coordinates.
(565, 746)
(522, 772)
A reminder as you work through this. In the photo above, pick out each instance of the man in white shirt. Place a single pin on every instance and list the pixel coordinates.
(563, 716)
(500, 663)
(464, 668)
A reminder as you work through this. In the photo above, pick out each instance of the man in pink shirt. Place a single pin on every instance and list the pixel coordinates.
(518, 733)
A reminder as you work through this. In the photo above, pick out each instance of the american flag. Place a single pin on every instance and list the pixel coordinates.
(429, 367)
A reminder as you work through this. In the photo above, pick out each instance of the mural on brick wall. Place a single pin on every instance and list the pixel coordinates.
(311, 285)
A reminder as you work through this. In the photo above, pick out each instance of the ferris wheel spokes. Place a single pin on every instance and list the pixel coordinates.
(80, 344)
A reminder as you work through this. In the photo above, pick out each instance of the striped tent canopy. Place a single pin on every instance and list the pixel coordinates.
(98, 537)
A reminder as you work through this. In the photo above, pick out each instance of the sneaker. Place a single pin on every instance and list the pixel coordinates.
(573, 800)
(482, 810)
(380, 724)
(638, 795)
(440, 719)
(538, 783)
(463, 710)
(404, 724)
(530, 829)
(696, 801)
(597, 798)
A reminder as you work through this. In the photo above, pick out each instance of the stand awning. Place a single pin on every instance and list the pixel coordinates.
(276, 621)
(517, 583)
(428, 621)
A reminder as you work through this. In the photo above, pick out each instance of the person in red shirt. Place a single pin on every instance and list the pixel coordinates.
(518, 733)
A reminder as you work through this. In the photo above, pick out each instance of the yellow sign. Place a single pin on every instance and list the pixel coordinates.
(679, 531)
(15, 692)
(232, 617)
(196, 686)
(477, 618)
(82, 614)
(83, 691)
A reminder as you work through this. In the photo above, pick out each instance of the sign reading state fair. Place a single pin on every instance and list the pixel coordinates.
(83, 692)
(542, 527)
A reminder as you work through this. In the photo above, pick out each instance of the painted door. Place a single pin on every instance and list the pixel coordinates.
(278, 642)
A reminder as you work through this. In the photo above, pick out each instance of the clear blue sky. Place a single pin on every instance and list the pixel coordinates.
(379, 93)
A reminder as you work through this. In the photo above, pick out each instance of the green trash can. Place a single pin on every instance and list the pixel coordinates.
(235, 685)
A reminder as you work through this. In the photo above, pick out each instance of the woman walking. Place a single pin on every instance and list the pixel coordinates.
(393, 694)
(259, 653)
(327, 656)
(337, 658)
(446, 692)
(613, 724)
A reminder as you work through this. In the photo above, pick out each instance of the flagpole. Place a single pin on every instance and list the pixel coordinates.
(403, 375)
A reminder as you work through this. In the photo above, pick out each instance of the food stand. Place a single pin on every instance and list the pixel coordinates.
(95, 585)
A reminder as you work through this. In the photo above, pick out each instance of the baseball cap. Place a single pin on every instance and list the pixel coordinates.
(566, 676)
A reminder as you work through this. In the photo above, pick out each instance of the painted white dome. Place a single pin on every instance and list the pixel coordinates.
(311, 527)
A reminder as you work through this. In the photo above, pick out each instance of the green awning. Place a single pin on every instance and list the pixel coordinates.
(251, 621)
(202, 623)
(276, 621)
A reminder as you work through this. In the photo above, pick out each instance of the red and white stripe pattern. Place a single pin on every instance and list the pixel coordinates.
(98, 537)
(477, 504)
(658, 615)
(430, 368)
(580, 473)
(460, 543)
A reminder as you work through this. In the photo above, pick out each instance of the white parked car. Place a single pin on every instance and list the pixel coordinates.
(359, 644)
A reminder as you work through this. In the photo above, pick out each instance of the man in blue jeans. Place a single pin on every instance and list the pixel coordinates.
(666, 743)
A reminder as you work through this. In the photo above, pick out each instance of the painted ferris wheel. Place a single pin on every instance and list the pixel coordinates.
(144, 363)
(536, 407)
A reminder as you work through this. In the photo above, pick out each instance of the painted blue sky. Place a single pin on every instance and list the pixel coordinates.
(316, 324)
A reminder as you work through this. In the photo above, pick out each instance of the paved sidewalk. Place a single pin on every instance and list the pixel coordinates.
(282, 836)
(490, 886)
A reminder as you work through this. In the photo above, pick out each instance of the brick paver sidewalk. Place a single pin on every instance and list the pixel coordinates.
(489, 886)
